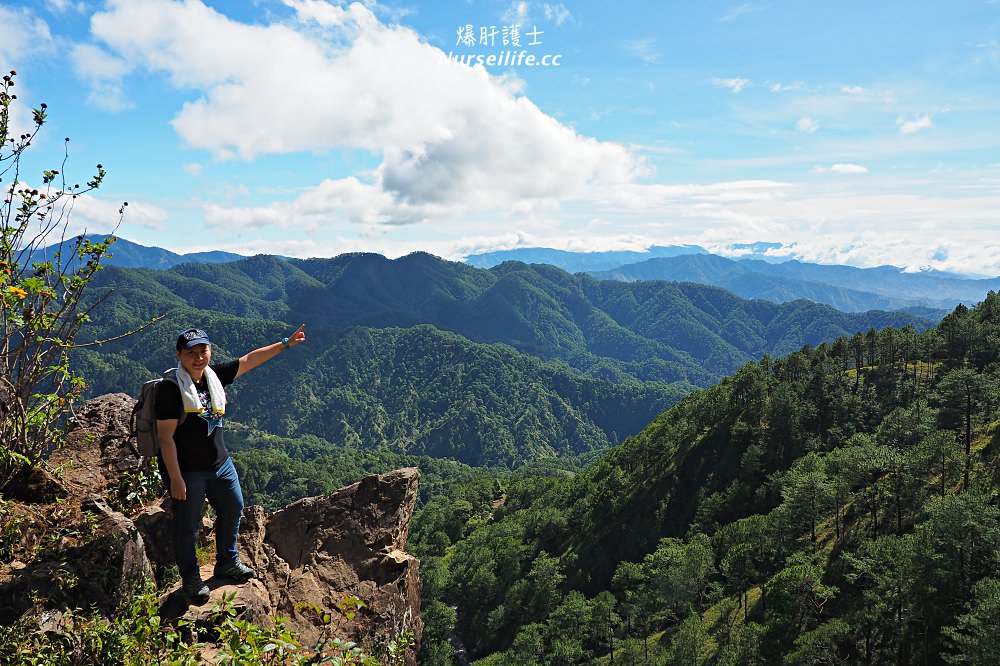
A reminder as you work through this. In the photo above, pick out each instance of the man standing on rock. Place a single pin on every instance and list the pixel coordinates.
(193, 454)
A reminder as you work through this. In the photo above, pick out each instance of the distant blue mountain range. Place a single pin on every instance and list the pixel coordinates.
(927, 294)
(844, 287)
(127, 254)
(579, 262)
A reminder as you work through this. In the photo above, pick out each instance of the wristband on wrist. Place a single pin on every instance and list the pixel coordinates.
(284, 341)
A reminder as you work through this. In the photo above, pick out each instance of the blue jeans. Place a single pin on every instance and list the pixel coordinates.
(222, 488)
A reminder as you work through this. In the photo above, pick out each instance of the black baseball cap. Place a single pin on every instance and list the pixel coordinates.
(192, 337)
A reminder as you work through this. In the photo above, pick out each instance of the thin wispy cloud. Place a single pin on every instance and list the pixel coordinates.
(734, 85)
(742, 10)
(62, 6)
(644, 49)
(22, 34)
(807, 125)
(785, 87)
(989, 51)
(556, 13)
(104, 72)
(852, 90)
(841, 169)
(516, 13)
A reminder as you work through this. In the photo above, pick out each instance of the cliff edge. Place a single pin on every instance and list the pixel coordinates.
(309, 555)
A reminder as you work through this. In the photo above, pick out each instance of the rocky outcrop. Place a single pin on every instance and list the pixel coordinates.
(349, 542)
(98, 453)
(313, 553)
(100, 562)
(309, 556)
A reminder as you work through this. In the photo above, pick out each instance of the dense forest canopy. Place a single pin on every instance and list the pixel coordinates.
(837, 505)
(421, 356)
(669, 332)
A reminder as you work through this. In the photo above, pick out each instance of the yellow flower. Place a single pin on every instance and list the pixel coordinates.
(17, 290)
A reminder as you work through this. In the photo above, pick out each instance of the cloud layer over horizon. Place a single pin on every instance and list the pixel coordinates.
(408, 150)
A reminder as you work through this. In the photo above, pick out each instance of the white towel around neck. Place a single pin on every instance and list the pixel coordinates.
(189, 393)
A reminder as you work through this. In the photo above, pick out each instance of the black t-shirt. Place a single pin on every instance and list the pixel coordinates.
(198, 449)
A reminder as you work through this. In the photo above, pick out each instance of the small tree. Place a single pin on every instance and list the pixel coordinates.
(40, 294)
(963, 394)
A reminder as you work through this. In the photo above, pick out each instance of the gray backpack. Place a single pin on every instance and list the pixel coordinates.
(142, 424)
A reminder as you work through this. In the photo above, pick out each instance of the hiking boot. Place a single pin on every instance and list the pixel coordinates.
(195, 590)
(234, 570)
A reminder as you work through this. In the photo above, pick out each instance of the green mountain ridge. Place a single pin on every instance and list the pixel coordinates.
(927, 293)
(612, 355)
(549, 313)
(415, 391)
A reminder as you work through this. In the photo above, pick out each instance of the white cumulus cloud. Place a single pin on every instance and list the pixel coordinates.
(104, 72)
(87, 213)
(451, 138)
(913, 126)
(22, 33)
(22, 36)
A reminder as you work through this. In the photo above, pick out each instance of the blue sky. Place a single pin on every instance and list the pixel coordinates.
(851, 132)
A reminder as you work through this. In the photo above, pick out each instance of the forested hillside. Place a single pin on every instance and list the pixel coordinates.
(835, 506)
(651, 331)
(658, 331)
(427, 357)
(418, 391)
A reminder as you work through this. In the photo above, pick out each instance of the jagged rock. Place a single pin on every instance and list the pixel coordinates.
(153, 522)
(96, 454)
(350, 542)
(97, 571)
(313, 553)
(318, 550)
(94, 457)
(252, 601)
(119, 548)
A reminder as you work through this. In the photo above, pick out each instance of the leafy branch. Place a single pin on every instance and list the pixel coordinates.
(40, 294)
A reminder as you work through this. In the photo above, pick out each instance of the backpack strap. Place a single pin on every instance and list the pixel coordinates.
(170, 375)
